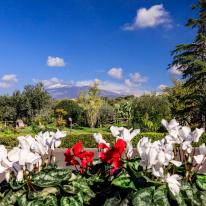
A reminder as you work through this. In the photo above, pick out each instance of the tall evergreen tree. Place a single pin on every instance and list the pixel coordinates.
(191, 60)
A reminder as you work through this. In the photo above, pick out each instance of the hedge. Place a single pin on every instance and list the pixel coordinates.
(89, 142)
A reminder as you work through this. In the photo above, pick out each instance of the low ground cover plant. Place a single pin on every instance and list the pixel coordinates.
(165, 171)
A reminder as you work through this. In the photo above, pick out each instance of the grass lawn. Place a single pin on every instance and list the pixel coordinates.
(29, 131)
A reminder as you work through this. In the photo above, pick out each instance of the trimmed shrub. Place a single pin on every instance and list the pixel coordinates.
(89, 142)
(8, 141)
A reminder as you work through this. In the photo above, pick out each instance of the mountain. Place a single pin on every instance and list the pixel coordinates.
(72, 92)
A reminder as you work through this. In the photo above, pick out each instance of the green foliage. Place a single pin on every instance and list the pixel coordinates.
(25, 105)
(72, 109)
(149, 110)
(89, 142)
(50, 187)
(190, 59)
(91, 103)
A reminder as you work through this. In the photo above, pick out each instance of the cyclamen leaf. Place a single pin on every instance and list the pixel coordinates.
(113, 201)
(124, 181)
(72, 201)
(11, 198)
(160, 196)
(201, 182)
(189, 194)
(15, 185)
(22, 201)
(143, 197)
(51, 200)
(52, 178)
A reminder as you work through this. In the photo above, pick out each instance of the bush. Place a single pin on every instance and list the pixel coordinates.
(89, 142)
(8, 141)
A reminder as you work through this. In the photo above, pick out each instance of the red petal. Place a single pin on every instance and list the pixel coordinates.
(120, 146)
(103, 146)
(77, 148)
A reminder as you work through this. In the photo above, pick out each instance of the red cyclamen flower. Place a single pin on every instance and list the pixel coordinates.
(76, 156)
(113, 155)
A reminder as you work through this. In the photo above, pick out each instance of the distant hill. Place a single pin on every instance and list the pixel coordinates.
(72, 92)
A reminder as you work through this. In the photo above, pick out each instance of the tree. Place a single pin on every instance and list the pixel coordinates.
(91, 103)
(35, 99)
(190, 59)
(106, 115)
(149, 110)
(183, 107)
(72, 110)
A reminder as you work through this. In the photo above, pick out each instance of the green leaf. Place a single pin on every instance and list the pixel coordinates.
(22, 201)
(160, 196)
(113, 201)
(72, 201)
(201, 181)
(11, 198)
(83, 187)
(143, 197)
(189, 194)
(44, 193)
(15, 185)
(124, 181)
(51, 200)
(52, 178)
(70, 189)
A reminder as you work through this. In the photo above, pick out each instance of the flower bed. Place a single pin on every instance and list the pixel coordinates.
(154, 177)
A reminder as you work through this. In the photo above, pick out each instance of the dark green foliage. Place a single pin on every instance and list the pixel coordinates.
(149, 110)
(24, 105)
(49, 188)
(191, 60)
(72, 109)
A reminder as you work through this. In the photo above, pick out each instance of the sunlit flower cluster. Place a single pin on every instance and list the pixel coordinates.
(28, 154)
(156, 156)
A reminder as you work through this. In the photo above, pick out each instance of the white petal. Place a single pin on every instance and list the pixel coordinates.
(59, 134)
(114, 130)
(199, 158)
(23, 155)
(176, 163)
(126, 135)
(3, 152)
(157, 171)
(134, 133)
(57, 143)
(2, 169)
(197, 134)
(13, 155)
(164, 123)
(172, 124)
(7, 175)
(19, 176)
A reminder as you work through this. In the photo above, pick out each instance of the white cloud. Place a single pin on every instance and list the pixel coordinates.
(4, 85)
(118, 88)
(174, 70)
(8, 80)
(55, 62)
(162, 87)
(138, 78)
(150, 18)
(116, 72)
(135, 79)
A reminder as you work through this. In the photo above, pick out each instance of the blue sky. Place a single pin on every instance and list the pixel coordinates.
(124, 44)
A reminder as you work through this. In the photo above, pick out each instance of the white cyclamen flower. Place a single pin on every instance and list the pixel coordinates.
(173, 183)
(99, 139)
